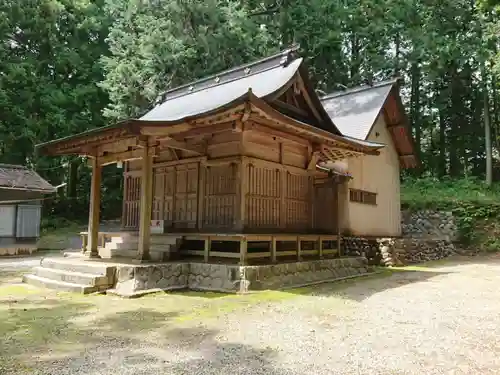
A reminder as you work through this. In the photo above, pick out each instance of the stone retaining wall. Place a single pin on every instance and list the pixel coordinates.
(141, 279)
(427, 235)
(437, 225)
(418, 250)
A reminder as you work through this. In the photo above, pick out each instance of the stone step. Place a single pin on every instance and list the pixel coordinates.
(156, 240)
(58, 285)
(78, 265)
(72, 277)
(157, 256)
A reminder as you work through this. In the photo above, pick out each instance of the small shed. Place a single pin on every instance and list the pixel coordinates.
(21, 194)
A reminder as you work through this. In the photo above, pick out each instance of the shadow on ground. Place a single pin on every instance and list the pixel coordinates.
(45, 336)
(361, 288)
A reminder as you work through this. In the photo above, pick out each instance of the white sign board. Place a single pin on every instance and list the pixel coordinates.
(7, 217)
(157, 226)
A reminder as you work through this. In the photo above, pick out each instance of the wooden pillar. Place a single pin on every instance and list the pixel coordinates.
(339, 213)
(299, 249)
(243, 251)
(94, 211)
(241, 195)
(283, 177)
(146, 203)
(320, 243)
(273, 249)
(206, 253)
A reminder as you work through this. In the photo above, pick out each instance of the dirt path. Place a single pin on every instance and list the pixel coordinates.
(424, 320)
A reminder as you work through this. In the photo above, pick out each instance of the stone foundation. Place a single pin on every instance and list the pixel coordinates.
(17, 250)
(135, 280)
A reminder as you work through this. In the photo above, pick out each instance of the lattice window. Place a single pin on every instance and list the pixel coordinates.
(362, 196)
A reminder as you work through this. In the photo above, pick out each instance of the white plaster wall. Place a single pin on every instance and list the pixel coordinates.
(378, 174)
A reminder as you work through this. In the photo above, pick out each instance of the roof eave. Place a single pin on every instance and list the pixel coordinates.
(406, 124)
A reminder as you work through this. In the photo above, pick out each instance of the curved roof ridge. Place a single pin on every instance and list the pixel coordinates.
(281, 58)
(357, 89)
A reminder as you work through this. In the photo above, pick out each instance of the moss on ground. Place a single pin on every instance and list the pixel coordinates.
(44, 323)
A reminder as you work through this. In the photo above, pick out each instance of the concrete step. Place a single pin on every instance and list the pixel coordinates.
(72, 277)
(58, 285)
(78, 265)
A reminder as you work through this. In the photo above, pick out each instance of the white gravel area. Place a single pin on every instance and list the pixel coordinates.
(444, 320)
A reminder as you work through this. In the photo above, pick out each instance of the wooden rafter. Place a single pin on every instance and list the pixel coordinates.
(307, 98)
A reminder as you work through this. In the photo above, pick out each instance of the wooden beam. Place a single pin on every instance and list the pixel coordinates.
(180, 162)
(156, 130)
(146, 203)
(94, 210)
(178, 145)
(280, 135)
(206, 130)
(120, 156)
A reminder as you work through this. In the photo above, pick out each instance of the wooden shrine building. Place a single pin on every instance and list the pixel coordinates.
(232, 154)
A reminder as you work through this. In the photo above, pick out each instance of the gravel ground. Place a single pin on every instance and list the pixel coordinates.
(425, 320)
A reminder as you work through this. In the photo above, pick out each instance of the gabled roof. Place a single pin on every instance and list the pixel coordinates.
(356, 110)
(16, 177)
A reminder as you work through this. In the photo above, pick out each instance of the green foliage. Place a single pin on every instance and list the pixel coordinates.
(475, 206)
(70, 65)
(157, 45)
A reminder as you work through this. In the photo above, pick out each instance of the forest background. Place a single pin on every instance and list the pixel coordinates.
(71, 65)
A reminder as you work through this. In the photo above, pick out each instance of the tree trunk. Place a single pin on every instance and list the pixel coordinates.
(487, 129)
(397, 42)
(415, 108)
(455, 109)
(442, 133)
(355, 63)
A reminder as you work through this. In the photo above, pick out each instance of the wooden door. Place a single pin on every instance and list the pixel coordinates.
(326, 207)
(131, 201)
(186, 196)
